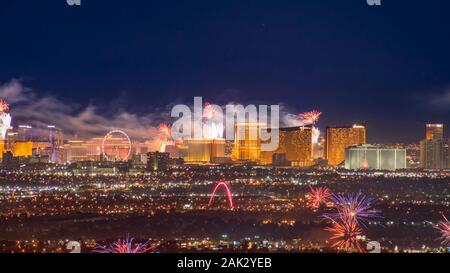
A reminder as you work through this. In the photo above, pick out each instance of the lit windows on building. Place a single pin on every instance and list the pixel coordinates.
(374, 158)
(339, 138)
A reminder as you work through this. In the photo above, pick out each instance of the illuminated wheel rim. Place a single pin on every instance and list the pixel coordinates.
(110, 133)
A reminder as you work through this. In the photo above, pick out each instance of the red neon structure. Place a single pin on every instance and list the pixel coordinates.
(227, 188)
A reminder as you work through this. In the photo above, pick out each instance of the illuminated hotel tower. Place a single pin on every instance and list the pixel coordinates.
(435, 150)
(295, 146)
(247, 143)
(339, 138)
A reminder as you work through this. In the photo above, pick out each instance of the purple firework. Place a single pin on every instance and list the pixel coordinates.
(357, 207)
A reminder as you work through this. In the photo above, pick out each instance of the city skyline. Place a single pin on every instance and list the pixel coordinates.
(169, 59)
(211, 133)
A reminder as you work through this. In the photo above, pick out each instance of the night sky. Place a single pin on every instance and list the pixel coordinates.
(388, 66)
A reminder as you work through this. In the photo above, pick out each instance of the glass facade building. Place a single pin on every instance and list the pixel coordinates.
(374, 158)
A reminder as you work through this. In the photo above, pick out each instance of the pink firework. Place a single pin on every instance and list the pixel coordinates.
(317, 196)
(311, 117)
(125, 246)
(444, 227)
(4, 106)
(346, 232)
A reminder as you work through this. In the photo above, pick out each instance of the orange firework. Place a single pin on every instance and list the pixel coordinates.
(317, 197)
(4, 106)
(346, 231)
(165, 130)
(311, 117)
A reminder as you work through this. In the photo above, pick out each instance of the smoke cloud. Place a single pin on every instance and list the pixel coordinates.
(27, 107)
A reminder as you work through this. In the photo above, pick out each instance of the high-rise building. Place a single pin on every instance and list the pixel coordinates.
(47, 142)
(435, 154)
(25, 133)
(339, 138)
(434, 149)
(435, 131)
(295, 148)
(247, 142)
(374, 158)
(157, 161)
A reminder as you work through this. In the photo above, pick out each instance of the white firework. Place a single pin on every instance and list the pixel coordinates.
(315, 135)
(5, 119)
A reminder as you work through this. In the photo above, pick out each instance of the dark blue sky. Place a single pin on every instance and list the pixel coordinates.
(388, 65)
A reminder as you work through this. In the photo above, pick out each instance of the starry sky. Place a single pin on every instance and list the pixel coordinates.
(388, 66)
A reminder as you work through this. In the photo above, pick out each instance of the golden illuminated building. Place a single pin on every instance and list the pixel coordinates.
(340, 138)
(247, 143)
(204, 150)
(23, 148)
(198, 151)
(218, 148)
(295, 144)
(2, 148)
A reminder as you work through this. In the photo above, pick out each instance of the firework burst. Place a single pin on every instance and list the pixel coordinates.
(4, 106)
(444, 228)
(317, 196)
(346, 232)
(212, 122)
(356, 207)
(165, 130)
(309, 118)
(125, 246)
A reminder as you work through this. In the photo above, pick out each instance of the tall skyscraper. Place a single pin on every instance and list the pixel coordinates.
(435, 149)
(295, 148)
(247, 144)
(435, 131)
(339, 138)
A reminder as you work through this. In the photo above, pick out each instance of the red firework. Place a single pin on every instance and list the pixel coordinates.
(311, 117)
(4, 106)
(346, 232)
(318, 196)
(444, 227)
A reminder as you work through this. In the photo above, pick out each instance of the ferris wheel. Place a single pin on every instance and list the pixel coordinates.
(116, 146)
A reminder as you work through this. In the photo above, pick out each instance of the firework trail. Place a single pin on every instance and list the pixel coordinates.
(317, 196)
(310, 118)
(356, 207)
(444, 227)
(346, 232)
(4, 106)
(125, 246)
